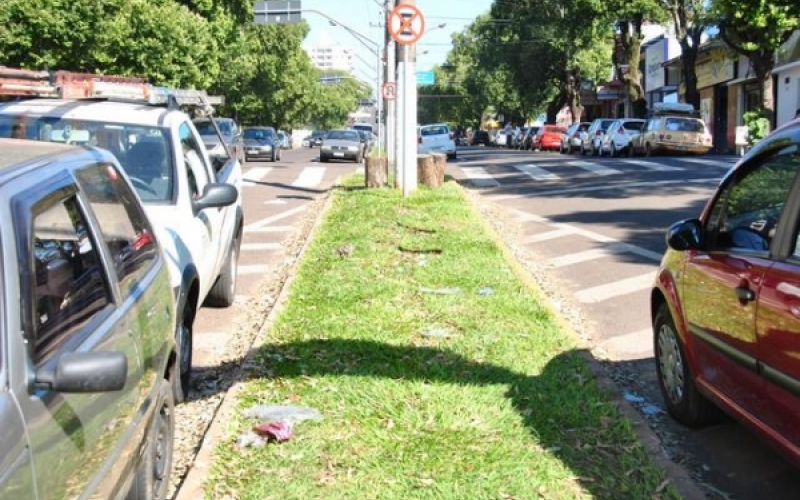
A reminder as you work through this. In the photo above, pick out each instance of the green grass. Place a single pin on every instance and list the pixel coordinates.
(505, 407)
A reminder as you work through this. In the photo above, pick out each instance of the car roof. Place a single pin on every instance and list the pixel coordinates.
(93, 110)
(434, 125)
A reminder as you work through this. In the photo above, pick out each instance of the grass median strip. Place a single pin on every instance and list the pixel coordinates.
(440, 374)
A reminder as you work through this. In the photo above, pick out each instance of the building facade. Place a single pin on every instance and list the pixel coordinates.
(786, 76)
(332, 57)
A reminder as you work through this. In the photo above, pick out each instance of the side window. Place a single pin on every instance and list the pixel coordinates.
(122, 222)
(193, 162)
(747, 211)
(70, 286)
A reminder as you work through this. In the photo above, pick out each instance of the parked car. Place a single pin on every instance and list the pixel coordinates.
(547, 137)
(436, 138)
(481, 137)
(725, 301)
(262, 143)
(88, 315)
(341, 145)
(594, 136)
(502, 137)
(526, 140)
(617, 138)
(674, 128)
(366, 140)
(316, 138)
(571, 138)
(518, 137)
(191, 198)
(231, 134)
(285, 139)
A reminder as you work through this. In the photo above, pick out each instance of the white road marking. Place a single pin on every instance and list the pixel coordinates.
(537, 173)
(257, 269)
(549, 235)
(615, 289)
(578, 257)
(651, 165)
(254, 247)
(269, 220)
(310, 177)
(275, 202)
(480, 177)
(606, 187)
(255, 174)
(270, 229)
(594, 168)
(636, 344)
(708, 162)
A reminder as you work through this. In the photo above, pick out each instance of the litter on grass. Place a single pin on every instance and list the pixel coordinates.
(485, 291)
(434, 332)
(287, 413)
(277, 423)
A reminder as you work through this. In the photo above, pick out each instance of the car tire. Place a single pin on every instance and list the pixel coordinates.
(184, 338)
(273, 158)
(631, 151)
(155, 469)
(223, 293)
(683, 400)
(323, 159)
(648, 150)
(613, 153)
(452, 156)
(583, 150)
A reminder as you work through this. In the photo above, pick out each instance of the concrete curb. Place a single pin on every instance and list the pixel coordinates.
(192, 487)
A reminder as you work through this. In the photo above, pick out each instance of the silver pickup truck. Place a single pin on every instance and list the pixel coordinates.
(192, 200)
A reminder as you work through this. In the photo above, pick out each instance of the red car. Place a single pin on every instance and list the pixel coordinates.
(548, 137)
(726, 303)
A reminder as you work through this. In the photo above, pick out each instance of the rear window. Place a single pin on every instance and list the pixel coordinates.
(553, 129)
(436, 130)
(206, 128)
(684, 125)
(605, 124)
(633, 125)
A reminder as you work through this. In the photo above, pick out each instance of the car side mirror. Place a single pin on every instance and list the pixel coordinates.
(685, 235)
(216, 195)
(82, 372)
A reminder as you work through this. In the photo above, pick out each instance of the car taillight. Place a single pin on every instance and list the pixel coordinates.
(621, 131)
(598, 133)
(576, 136)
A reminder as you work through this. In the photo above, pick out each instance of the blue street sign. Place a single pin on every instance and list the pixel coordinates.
(425, 78)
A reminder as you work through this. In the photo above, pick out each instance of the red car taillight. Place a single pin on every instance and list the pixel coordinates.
(598, 133)
(621, 131)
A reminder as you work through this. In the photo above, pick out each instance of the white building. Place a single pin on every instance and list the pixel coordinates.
(330, 57)
(787, 80)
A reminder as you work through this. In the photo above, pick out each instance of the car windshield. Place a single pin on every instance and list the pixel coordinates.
(206, 128)
(258, 134)
(605, 124)
(684, 125)
(434, 130)
(144, 152)
(343, 135)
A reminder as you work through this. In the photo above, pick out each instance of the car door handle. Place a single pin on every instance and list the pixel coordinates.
(745, 294)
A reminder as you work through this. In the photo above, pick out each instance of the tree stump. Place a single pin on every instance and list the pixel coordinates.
(430, 169)
(377, 171)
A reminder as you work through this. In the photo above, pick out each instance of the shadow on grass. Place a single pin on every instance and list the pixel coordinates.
(560, 406)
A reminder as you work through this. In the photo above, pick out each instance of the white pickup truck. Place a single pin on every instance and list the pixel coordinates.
(194, 205)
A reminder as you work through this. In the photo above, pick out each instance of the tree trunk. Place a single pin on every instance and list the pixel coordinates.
(572, 93)
(631, 39)
(430, 169)
(376, 171)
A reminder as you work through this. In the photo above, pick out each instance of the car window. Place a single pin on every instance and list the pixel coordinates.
(636, 126)
(122, 222)
(748, 208)
(69, 283)
(259, 134)
(343, 135)
(426, 131)
(196, 171)
(684, 125)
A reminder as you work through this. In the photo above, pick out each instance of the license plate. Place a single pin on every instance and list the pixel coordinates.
(338, 154)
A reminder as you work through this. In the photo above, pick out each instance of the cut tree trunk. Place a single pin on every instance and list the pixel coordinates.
(377, 171)
(430, 169)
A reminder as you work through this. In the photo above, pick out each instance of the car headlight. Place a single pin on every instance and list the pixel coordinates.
(326, 147)
(266, 147)
(352, 148)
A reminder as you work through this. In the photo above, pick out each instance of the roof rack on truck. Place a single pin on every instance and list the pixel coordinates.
(674, 108)
(71, 85)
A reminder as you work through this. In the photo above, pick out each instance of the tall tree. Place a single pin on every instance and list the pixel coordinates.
(756, 29)
(690, 19)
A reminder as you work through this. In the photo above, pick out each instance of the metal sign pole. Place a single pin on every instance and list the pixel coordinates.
(391, 76)
(409, 123)
(401, 120)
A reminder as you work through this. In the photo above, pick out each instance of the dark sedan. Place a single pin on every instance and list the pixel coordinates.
(262, 143)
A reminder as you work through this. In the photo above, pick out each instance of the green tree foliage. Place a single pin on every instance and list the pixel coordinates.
(335, 98)
(162, 41)
(756, 29)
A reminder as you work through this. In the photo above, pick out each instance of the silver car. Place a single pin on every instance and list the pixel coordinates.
(617, 139)
(341, 145)
(262, 143)
(572, 138)
(593, 138)
(87, 345)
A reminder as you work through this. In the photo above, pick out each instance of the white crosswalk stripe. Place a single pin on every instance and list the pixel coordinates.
(615, 289)
(309, 177)
(255, 174)
(479, 177)
(650, 165)
(708, 162)
(549, 235)
(537, 173)
(594, 168)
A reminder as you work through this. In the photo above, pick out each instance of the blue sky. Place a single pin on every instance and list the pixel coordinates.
(362, 16)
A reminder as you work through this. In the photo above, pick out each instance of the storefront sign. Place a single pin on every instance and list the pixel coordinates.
(608, 94)
(717, 69)
(654, 73)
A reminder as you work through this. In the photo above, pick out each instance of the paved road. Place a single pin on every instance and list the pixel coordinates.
(275, 198)
(598, 225)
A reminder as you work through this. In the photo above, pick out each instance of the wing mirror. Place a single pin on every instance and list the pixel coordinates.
(216, 195)
(685, 235)
(82, 372)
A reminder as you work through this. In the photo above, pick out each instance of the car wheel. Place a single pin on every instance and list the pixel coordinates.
(583, 150)
(683, 400)
(613, 152)
(322, 159)
(182, 372)
(154, 471)
(452, 156)
(648, 150)
(223, 293)
(631, 151)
